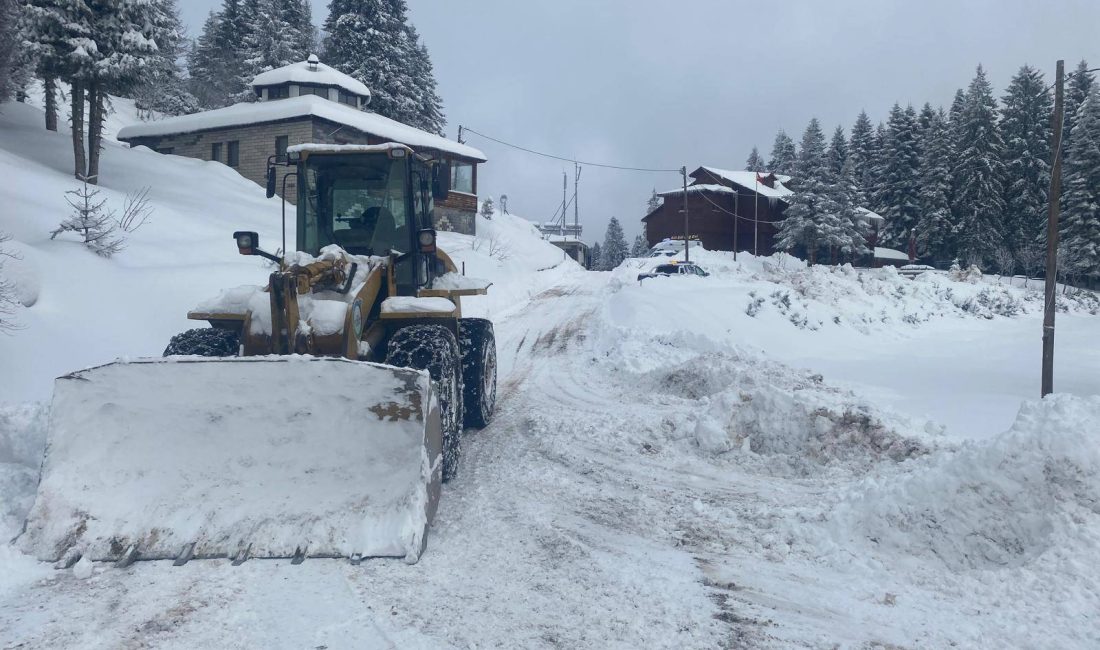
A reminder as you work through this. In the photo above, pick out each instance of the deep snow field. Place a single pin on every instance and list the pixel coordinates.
(771, 456)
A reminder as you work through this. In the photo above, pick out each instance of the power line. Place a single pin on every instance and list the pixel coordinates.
(564, 159)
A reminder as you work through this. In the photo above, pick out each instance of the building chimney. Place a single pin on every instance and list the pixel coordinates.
(312, 62)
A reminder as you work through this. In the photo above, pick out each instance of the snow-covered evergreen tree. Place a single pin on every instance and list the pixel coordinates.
(487, 208)
(897, 196)
(1081, 225)
(1078, 86)
(595, 257)
(653, 202)
(276, 33)
(94, 225)
(9, 50)
(640, 247)
(837, 155)
(935, 229)
(372, 41)
(861, 152)
(614, 249)
(162, 87)
(979, 170)
(811, 214)
(1025, 128)
(784, 156)
(755, 162)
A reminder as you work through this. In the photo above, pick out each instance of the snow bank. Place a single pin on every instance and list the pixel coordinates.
(1002, 503)
(22, 438)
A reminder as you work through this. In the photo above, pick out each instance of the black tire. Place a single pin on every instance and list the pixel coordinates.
(435, 349)
(205, 342)
(479, 370)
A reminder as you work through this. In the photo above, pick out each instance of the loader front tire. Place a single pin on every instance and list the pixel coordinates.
(435, 349)
(479, 370)
(205, 342)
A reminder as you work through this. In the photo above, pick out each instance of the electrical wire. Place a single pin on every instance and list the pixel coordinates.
(572, 160)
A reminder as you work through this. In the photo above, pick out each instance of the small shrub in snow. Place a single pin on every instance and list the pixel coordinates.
(492, 245)
(7, 290)
(755, 305)
(487, 209)
(89, 220)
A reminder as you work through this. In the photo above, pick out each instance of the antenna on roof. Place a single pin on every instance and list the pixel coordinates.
(313, 62)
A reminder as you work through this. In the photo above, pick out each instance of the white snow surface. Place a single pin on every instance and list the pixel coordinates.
(772, 456)
(282, 109)
(416, 305)
(457, 282)
(318, 73)
(748, 179)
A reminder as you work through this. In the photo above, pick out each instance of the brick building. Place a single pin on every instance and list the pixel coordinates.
(302, 103)
(714, 198)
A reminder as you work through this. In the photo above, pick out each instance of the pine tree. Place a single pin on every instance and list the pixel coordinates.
(614, 249)
(640, 247)
(897, 198)
(1078, 87)
(487, 208)
(784, 157)
(755, 162)
(9, 52)
(837, 155)
(847, 234)
(94, 225)
(980, 173)
(935, 229)
(653, 203)
(371, 41)
(1081, 226)
(216, 63)
(163, 87)
(277, 33)
(861, 152)
(811, 214)
(1025, 127)
(595, 258)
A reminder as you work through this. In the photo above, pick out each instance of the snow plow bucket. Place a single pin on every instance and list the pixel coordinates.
(264, 457)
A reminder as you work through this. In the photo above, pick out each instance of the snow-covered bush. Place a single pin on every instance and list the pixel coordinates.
(99, 228)
(7, 290)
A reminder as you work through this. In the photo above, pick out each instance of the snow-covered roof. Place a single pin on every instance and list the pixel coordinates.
(701, 187)
(747, 179)
(303, 72)
(889, 254)
(346, 148)
(870, 216)
(306, 105)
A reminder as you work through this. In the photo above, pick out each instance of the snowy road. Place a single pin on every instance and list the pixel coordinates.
(598, 511)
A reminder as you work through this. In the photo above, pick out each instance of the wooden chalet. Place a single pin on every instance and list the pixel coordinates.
(727, 210)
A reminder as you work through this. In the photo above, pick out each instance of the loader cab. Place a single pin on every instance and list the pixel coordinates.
(370, 201)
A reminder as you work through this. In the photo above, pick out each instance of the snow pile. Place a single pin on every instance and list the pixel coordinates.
(747, 403)
(1003, 503)
(22, 438)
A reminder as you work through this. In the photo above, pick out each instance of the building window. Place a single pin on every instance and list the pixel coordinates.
(278, 92)
(234, 153)
(313, 90)
(280, 148)
(349, 99)
(462, 177)
(216, 151)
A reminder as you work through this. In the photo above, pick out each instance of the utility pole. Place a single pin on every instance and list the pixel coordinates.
(460, 140)
(564, 201)
(736, 220)
(756, 216)
(576, 201)
(1052, 232)
(687, 229)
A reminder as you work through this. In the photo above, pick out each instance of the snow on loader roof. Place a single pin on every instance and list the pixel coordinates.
(332, 458)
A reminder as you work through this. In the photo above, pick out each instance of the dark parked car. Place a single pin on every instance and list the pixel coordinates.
(674, 268)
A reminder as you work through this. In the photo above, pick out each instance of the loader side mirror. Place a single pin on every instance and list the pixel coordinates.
(441, 181)
(247, 242)
(270, 181)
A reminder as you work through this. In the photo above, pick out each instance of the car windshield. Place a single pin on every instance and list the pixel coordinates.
(665, 268)
(355, 201)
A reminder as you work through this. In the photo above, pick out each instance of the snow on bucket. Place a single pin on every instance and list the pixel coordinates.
(251, 457)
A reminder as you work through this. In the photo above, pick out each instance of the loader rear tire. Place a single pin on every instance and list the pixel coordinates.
(435, 349)
(479, 370)
(205, 342)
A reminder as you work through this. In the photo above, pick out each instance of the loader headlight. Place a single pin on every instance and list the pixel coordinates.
(426, 239)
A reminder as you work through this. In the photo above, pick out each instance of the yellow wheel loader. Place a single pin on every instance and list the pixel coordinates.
(316, 416)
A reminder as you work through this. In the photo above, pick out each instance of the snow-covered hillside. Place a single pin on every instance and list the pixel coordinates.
(771, 456)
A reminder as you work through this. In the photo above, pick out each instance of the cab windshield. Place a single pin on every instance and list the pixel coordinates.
(355, 201)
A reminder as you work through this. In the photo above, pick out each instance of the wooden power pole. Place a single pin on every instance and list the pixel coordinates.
(1052, 232)
(687, 229)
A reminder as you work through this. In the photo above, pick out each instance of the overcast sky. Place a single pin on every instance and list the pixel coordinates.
(664, 84)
